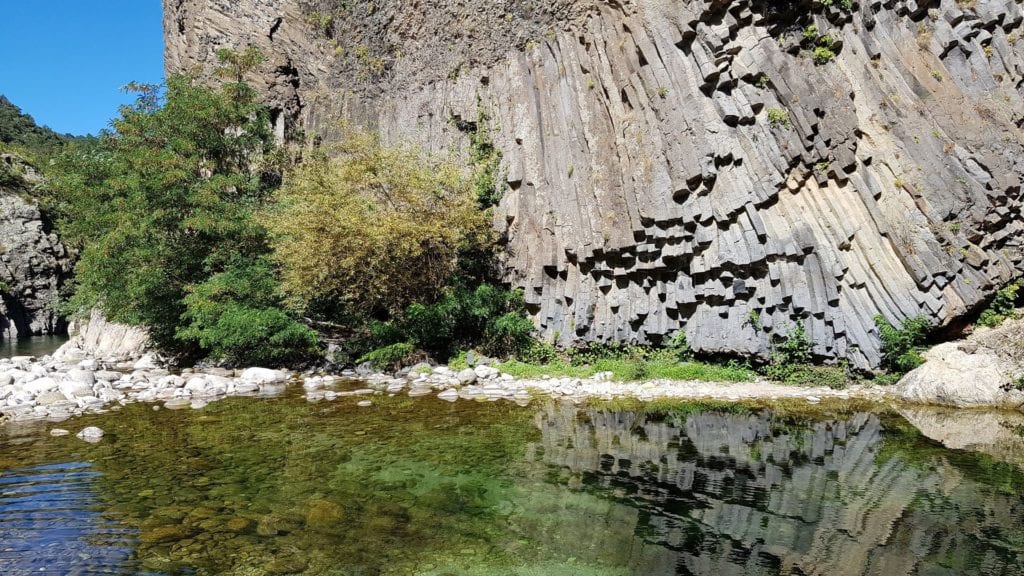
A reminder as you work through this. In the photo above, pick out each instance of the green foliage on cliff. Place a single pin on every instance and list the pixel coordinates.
(1002, 306)
(901, 346)
(163, 209)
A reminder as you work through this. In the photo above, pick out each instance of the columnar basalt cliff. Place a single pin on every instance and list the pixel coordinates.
(724, 168)
(33, 262)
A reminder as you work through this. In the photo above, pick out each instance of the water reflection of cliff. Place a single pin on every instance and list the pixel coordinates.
(723, 494)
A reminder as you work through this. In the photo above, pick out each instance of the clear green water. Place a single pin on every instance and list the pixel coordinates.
(34, 346)
(282, 486)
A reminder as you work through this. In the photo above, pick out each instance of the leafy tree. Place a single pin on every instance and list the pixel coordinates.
(162, 209)
(374, 229)
(236, 315)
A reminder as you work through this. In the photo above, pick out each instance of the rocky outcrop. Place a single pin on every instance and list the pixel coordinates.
(986, 369)
(33, 262)
(108, 342)
(723, 168)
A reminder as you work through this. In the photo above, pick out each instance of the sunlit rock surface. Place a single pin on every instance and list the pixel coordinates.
(33, 262)
(985, 369)
(687, 165)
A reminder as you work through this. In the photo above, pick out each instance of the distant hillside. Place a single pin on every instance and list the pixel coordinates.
(20, 130)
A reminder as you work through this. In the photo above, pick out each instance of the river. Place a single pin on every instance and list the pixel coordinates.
(419, 486)
(34, 346)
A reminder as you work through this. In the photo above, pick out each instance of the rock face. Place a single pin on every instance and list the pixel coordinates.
(109, 342)
(33, 262)
(724, 168)
(986, 369)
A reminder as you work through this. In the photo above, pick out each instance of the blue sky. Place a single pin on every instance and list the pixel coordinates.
(65, 61)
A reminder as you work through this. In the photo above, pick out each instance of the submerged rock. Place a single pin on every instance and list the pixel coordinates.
(450, 395)
(91, 434)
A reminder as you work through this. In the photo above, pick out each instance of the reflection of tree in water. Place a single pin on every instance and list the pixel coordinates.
(255, 487)
(716, 493)
(283, 486)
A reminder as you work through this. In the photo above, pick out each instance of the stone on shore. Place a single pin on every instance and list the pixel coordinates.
(985, 369)
(467, 376)
(263, 376)
(91, 434)
(148, 361)
(485, 372)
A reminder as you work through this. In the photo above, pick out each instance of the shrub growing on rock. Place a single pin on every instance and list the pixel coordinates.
(1002, 306)
(901, 347)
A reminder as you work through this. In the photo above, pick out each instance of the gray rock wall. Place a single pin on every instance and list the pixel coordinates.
(647, 188)
(33, 262)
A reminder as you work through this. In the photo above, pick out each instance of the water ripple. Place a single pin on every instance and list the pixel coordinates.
(50, 524)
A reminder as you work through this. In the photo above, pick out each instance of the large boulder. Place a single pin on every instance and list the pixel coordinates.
(986, 369)
(109, 341)
(263, 376)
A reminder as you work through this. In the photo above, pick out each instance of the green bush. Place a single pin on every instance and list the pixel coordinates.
(1002, 306)
(539, 352)
(790, 354)
(901, 347)
(488, 318)
(374, 228)
(679, 347)
(235, 316)
(390, 357)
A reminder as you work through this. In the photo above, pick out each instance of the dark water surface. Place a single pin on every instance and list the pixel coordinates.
(257, 486)
(34, 346)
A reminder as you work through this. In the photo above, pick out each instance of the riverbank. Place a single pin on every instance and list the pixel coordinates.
(105, 366)
(48, 388)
